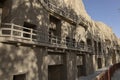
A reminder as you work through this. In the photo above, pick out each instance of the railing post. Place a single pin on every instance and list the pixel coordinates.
(21, 34)
(12, 27)
(56, 40)
(44, 37)
(31, 33)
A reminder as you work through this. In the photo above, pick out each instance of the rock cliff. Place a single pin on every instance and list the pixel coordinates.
(104, 31)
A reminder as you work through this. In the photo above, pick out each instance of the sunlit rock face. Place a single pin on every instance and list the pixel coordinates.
(78, 7)
(105, 31)
(80, 34)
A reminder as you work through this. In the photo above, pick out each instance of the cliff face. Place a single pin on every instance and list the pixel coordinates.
(103, 30)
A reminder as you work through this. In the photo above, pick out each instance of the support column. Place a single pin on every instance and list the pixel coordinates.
(71, 66)
(42, 63)
(90, 63)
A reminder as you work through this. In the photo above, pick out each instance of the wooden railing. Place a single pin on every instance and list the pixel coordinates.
(60, 11)
(55, 40)
(71, 16)
(14, 32)
(107, 74)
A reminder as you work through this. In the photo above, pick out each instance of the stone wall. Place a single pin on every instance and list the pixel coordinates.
(21, 60)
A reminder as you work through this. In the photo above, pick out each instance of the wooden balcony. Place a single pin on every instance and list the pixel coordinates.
(16, 33)
(61, 12)
(64, 14)
(70, 16)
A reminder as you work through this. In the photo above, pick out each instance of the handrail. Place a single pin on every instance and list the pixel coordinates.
(15, 31)
(53, 8)
(61, 12)
(107, 74)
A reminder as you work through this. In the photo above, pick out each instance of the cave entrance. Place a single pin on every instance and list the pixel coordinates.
(19, 77)
(55, 72)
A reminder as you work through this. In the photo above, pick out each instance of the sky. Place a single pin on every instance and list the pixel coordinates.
(107, 11)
